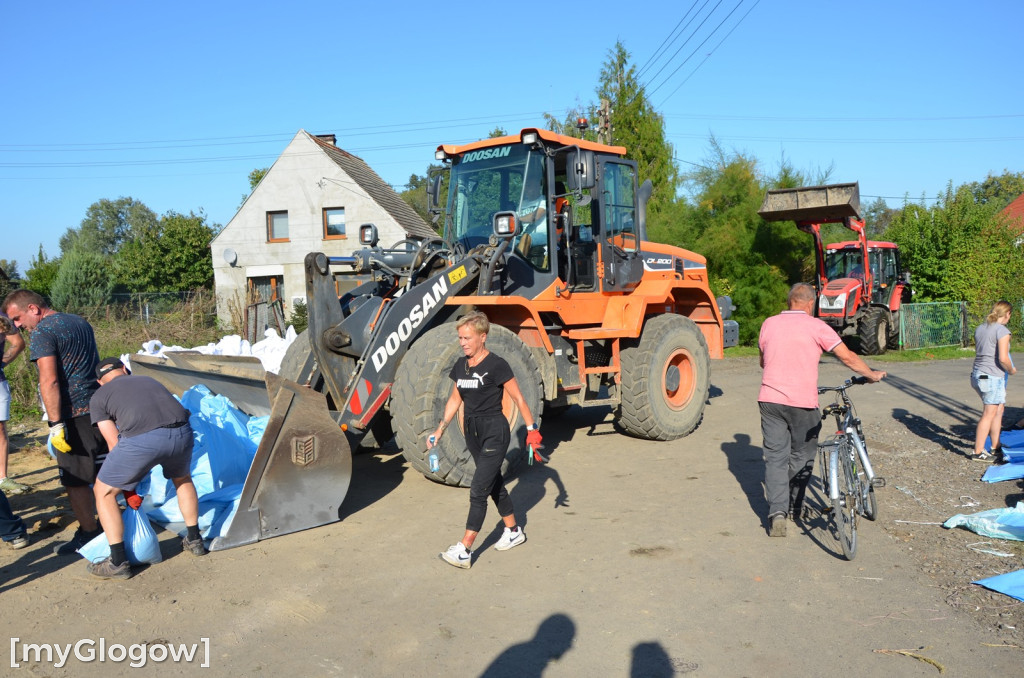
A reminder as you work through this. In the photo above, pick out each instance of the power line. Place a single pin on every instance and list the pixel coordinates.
(711, 52)
(674, 54)
(697, 47)
(654, 57)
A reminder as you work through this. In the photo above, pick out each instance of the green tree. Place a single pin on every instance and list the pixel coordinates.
(107, 225)
(747, 258)
(83, 282)
(41, 273)
(999, 191)
(959, 249)
(255, 177)
(415, 193)
(12, 280)
(174, 256)
(638, 127)
(877, 217)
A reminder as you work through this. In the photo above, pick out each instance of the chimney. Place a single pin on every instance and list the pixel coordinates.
(329, 138)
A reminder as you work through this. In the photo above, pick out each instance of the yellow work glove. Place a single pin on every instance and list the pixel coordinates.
(57, 438)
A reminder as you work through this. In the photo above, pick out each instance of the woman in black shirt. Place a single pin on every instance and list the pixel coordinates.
(481, 380)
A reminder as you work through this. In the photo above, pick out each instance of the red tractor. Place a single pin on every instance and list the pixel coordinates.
(860, 283)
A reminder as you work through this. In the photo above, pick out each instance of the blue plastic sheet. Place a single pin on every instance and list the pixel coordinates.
(1010, 440)
(1010, 584)
(1002, 523)
(995, 474)
(225, 445)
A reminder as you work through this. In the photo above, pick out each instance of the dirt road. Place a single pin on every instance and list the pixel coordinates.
(643, 559)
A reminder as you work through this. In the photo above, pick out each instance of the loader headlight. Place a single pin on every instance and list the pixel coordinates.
(505, 224)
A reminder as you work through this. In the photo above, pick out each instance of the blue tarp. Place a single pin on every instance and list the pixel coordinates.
(1010, 440)
(995, 474)
(1010, 584)
(225, 445)
(1002, 523)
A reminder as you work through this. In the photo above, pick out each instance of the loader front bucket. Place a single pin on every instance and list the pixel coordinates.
(303, 465)
(817, 204)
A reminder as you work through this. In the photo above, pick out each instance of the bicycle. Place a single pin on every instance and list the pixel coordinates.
(845, 467)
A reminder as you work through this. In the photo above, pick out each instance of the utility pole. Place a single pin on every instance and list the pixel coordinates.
(604, 124)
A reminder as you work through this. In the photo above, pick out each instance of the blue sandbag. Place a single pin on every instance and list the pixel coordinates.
(1002, 523)
(1010, 584)
(140, 542)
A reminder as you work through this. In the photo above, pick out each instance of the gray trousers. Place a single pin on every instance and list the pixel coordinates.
(790, 442)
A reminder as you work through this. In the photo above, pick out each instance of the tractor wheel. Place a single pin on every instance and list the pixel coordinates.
(665, 378)
(873, 332)
(422, 388)
(894, 332)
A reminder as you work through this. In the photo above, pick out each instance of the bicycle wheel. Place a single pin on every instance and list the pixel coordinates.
(870, 505)
(845, 505)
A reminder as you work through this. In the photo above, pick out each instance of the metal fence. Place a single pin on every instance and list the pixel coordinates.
(948, 323)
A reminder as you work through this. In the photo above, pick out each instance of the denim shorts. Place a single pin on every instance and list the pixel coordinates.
(991, 388)
(5, 400)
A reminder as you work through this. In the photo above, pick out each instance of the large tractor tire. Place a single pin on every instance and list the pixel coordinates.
(422, 388)
(873, 332)
(665, 379)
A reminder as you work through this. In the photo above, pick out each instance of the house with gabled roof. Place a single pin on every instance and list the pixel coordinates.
(312, 199)
(1014, 214)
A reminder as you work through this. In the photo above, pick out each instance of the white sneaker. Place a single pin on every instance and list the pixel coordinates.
(509, 539)
(457, 555)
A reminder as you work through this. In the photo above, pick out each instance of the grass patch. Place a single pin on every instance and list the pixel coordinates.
(917, 355)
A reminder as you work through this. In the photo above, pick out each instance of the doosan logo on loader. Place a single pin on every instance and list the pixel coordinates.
(407, 324)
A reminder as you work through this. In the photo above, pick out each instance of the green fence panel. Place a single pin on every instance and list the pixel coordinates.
(933, 324)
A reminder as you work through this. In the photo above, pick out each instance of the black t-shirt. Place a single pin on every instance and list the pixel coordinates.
(481, 387)
(137, 404)
(69, 339)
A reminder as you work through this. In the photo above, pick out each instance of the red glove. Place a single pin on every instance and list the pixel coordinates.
(533, 440)
(132, 499)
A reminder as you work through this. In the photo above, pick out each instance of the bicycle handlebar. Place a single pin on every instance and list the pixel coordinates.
(846, 384)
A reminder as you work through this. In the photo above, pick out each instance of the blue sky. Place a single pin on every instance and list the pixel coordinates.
(174, 104)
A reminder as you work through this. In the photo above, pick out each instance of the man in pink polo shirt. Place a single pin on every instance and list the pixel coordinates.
(791, 344)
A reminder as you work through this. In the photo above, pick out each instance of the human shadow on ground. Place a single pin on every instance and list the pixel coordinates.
(553, 639)
(961, 411)
(529, 490)
(958, 439)
(817, 521)
(746, 463)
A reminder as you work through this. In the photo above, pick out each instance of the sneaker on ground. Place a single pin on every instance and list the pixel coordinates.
(778, 525)
(19, 542)
(509, 539)
(80, 539)
(9, 486)
(458, 556)
(105, 569)
(194, 546)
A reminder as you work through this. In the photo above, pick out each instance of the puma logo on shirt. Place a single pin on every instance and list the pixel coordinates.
(476, 382)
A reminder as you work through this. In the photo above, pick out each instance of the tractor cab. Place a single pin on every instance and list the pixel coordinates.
(846, 260)
(578, 210)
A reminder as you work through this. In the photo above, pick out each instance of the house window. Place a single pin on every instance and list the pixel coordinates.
(334, 222)
(267, 288)
(277, 226)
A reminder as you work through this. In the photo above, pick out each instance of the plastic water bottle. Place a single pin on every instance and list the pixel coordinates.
(435, 464)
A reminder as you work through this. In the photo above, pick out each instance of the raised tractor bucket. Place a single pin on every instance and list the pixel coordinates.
(818, 204)
(303, 465)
